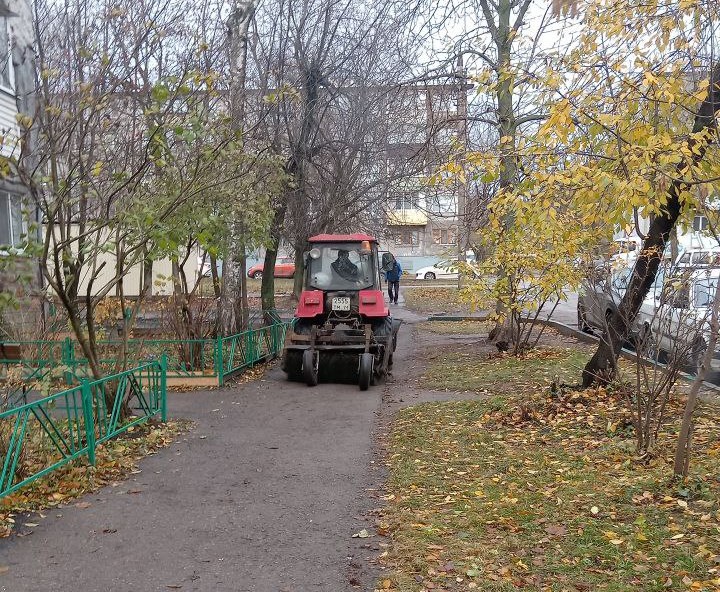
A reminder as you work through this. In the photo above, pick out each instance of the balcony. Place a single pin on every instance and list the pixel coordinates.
(407, 217)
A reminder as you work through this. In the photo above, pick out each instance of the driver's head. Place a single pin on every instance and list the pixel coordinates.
(343, 254)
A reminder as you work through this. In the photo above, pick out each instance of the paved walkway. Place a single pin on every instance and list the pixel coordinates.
(263, 495)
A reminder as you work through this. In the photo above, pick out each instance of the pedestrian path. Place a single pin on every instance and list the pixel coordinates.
(263, 495)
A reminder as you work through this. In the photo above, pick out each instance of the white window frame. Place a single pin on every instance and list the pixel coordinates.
(11, 70)
(17, 244)
(703, 223)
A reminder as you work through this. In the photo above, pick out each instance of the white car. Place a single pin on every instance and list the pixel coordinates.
(676, 319)
(440, 270)
(446, 270)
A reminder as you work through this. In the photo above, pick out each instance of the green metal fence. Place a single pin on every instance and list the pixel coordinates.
(39, 437)
(245, 349)
(218, 358)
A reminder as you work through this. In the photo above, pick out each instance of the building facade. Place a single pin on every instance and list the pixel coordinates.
(19, 275)
(424, 219)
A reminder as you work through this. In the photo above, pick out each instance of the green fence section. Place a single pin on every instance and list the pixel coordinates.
(185, 357)
(39, 437)
(246, 349)
(218, 358)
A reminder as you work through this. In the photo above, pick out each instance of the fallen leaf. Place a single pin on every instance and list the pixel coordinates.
(363, 534)
(4, 569)
(30, 524)
(83, 505)
(556, 529)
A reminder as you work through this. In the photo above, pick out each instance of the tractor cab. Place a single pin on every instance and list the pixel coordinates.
(342, 279)
(342, 321)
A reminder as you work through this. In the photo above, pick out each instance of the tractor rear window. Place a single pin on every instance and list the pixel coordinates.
(340, 267)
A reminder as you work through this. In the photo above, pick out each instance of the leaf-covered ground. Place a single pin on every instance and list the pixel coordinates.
(434, 300)
(528, 490)
(462, 369)
(467, 327)
(115, 460)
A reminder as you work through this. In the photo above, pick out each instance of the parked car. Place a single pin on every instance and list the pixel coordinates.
(676, 318)
(284, 268)
(446, 270)
(698, 258)
(599, 297)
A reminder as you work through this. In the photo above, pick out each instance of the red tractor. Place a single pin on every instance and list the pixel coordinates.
(343, 328)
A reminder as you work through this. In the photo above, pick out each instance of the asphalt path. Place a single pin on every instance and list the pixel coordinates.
(263, 495)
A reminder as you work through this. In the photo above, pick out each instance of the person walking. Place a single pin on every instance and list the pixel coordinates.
(393, 281)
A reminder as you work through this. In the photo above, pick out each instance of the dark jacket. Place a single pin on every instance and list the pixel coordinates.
(394, 274)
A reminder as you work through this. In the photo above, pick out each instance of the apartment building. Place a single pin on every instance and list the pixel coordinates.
(423, 221)
(19, 276)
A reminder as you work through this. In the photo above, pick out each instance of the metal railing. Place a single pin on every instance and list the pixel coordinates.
(218, 358)
(246, 349)
(41, 436)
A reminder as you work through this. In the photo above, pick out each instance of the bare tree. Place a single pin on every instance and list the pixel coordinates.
(323, 72)
(119, 96)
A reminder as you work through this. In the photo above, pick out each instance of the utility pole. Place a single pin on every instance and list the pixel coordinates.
(234, 298)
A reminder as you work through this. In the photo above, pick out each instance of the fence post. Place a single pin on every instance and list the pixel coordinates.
(163, 387)
(89, 418)
(219, 366)
(250, 349)
(67, 358)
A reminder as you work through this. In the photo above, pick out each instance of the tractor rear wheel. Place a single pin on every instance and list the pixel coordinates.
(310, 362)
(366, 371)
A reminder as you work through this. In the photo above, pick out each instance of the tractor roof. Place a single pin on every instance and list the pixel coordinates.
(341, 238)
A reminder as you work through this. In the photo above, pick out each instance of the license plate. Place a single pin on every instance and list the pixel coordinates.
(341, 303)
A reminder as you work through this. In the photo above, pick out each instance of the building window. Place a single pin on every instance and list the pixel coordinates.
(444, 236)
(6, 72)
(405, 236)
(407, 202)
(12, 228)
(700, 223)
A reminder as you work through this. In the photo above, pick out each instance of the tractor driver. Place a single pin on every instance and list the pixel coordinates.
(345, 268)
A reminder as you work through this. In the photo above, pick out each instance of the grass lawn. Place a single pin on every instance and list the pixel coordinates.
(524, 490)
(461, 370)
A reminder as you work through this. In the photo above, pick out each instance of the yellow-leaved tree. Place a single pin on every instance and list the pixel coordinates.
(631, 102)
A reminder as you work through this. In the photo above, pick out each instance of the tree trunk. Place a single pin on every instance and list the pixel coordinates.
(267, 288)
(234, 295)
(243, 309)
(298, 279)
(602, 366)
(503, 335)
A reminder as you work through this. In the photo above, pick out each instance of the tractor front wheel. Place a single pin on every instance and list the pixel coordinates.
(310, 363)
(366, 371)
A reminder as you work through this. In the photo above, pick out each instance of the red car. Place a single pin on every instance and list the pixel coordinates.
(284, 268)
